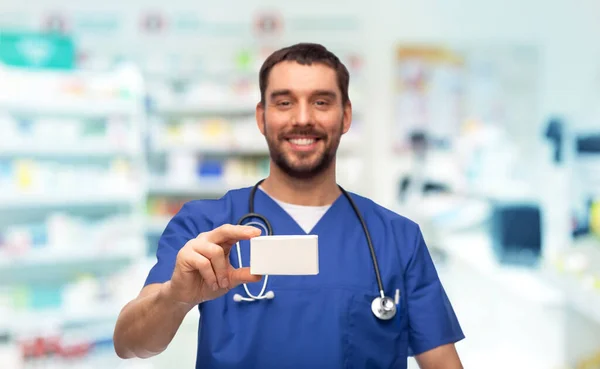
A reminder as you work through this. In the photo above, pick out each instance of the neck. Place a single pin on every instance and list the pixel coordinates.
(320, 190)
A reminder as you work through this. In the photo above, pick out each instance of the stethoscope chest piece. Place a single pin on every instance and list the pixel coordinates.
(383, 308)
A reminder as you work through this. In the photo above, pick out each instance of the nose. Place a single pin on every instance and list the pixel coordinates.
(303, 114)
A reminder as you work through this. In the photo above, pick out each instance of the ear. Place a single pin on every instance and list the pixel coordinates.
(260, 117)
(347, 118)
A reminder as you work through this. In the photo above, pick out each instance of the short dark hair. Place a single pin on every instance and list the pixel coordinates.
(305, 54)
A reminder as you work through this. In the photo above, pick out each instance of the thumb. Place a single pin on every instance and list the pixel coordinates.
(242, 275)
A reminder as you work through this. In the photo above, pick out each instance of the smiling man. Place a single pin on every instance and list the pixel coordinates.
(299, 147)
(336, 319)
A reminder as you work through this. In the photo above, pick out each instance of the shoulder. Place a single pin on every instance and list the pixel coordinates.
(206, 214)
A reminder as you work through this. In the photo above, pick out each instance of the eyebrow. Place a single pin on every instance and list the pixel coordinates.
(278, 93)
(326, 93)
(286, 92)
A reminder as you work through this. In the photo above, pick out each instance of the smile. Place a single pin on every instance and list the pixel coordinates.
(302, 141)
(303, 144)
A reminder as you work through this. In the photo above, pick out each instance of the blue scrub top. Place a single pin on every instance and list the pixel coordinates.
(322, 321)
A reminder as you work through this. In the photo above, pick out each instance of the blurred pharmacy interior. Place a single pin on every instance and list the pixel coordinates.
(478, 119)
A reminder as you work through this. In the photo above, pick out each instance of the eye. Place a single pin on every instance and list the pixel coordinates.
(283, 103)
(321, 102)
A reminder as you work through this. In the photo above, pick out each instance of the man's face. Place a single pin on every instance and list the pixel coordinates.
(303, 117)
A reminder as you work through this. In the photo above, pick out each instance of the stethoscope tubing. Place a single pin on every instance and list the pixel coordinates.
(378, 303)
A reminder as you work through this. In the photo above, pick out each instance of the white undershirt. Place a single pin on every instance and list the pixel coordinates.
(306, 216)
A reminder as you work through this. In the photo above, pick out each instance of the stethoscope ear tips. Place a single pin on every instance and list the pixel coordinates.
(237, 297)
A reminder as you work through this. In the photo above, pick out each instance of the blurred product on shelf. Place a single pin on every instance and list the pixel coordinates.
(71, 92)
(196, 173)
(200, 134)
(62, 234)
(69, 134)
(197, 95)
(165, 206)
(64, 248)
(43, 177)
(586, 184)
(20, 134)
(76, 332)
(595, 218)
(188, 176)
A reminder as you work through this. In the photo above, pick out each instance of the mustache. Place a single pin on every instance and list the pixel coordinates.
(302, 131)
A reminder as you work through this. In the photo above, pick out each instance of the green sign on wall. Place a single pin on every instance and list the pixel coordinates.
(37, 50)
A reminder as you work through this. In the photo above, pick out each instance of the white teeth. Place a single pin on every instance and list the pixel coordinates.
(302, 141)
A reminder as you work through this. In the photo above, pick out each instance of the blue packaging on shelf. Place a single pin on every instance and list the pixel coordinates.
(516, 233)
(210, 168)
(39, 235)
(45, 296)
(589, 144)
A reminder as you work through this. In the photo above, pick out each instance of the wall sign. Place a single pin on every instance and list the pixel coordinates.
(33, 50)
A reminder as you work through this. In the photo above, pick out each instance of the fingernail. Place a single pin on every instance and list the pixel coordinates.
(224, 283)
(215, 287)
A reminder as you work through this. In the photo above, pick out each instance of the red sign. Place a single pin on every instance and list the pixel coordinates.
(153, 22)
(268, 24)
(55, 23)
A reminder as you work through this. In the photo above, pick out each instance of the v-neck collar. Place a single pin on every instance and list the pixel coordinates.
(281, 219)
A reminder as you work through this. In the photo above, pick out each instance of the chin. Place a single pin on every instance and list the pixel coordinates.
(301, 165)
(304, 170)
(302, 174)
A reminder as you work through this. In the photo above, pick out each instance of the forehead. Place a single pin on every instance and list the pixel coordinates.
(298, 78)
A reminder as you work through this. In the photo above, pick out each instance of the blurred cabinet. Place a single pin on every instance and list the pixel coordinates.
(72, 199)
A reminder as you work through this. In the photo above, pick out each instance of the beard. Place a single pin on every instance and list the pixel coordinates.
(304, 165)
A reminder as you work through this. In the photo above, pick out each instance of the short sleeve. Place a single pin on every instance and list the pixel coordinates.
(431, 318)
(179, 231)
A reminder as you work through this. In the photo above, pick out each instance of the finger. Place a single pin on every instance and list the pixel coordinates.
(204, 267)
(242, 275)
(229, 234)
(219, 263)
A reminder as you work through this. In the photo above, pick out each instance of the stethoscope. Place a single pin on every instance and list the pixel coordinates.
(383, 307)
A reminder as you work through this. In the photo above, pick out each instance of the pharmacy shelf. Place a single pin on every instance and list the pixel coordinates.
(115, 92)
(47, 266)
(92, 149)
(24, 321)
(225, 148)
(65, 199)
(90, 108)
(205, 108)
(203, 188)
(98, 169)
(199, 187)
